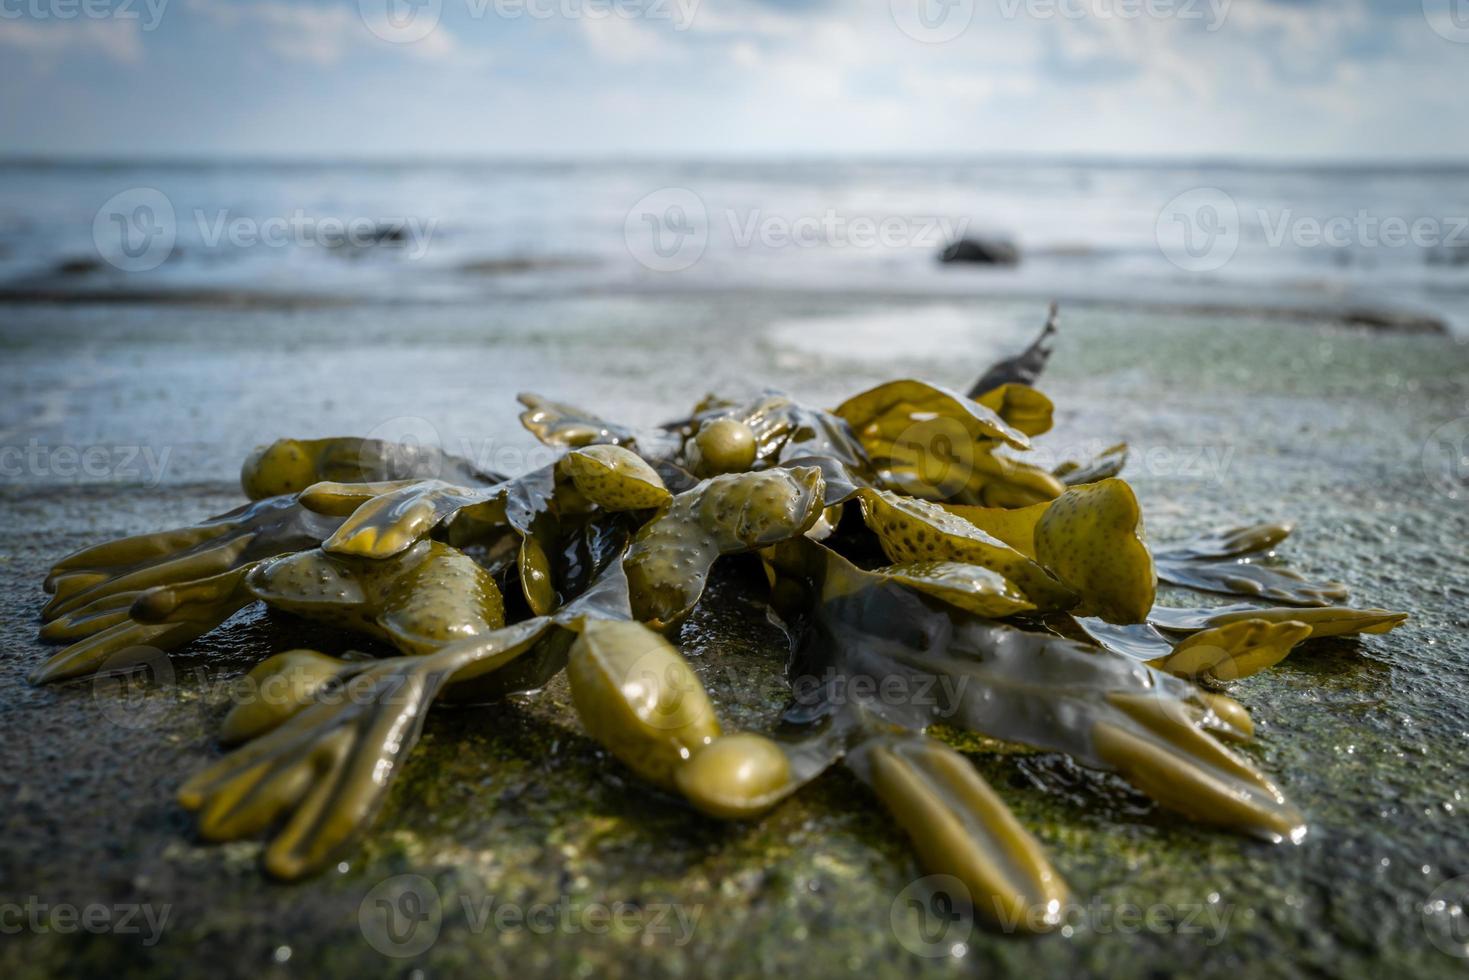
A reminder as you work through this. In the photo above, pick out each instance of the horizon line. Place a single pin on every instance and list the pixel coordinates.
(1219, 161)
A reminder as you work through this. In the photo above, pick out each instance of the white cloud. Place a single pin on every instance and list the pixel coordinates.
(1274, 78)
(118, 40)
(326, 34)
(628, 41)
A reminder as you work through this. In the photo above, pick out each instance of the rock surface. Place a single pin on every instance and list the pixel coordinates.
(513, 808)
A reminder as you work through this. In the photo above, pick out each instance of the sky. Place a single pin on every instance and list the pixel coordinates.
(1332, 80)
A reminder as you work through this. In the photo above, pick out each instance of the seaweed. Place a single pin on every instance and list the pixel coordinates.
(907, 542)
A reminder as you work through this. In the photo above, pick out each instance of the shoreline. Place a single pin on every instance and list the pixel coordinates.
(1376, 318)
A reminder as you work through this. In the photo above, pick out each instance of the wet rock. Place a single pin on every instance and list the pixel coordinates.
(1394, 321)
(75, 266)
(1456, 254)
(981, 251)
(510, 265)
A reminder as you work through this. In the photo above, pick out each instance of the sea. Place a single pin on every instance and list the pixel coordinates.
(1372, 244)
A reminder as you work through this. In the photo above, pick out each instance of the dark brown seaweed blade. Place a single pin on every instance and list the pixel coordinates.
(1242, 578)
(1024, 368)
(1225, 542)
(1104, 710)
(1139, 641)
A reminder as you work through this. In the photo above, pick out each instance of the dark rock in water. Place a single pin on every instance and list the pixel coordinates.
(1394, 321)
(518, 264)
(981, 251)
(1449, 254)
(355, 237)
(79, 266)
(389, 233)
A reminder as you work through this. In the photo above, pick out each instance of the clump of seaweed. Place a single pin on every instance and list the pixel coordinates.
(904, 535)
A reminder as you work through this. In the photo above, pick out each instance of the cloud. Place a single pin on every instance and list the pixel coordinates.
(325, 34)
(1274, 77)
(628, 41)
(118, 40)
